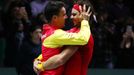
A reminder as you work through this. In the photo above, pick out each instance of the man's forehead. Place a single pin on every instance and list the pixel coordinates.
(63, 10)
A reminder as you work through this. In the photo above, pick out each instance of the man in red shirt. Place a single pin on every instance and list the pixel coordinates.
(79, 65)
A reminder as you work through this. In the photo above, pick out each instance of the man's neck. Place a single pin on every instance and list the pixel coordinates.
(54, 25)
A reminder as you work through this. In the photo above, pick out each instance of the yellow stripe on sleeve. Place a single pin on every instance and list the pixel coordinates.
(61, 37)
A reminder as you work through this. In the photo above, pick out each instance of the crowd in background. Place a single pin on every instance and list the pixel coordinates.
(113, 31)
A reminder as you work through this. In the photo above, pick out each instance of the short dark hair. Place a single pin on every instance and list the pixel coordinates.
(52, 8)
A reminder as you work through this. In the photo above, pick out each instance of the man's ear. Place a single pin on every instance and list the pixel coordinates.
(54, 17)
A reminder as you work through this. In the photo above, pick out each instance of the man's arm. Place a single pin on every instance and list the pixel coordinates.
(60, 59)
(65, 38)
(56, 60)
(61, 37)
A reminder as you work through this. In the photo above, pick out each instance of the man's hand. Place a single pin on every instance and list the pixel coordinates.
(85, 15)
(23, 13)
(35, 63)
(37, 66)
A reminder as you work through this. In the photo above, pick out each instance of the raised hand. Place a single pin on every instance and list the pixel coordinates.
(23, 13)
(85, 15)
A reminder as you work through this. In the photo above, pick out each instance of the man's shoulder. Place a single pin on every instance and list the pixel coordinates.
(59, 31)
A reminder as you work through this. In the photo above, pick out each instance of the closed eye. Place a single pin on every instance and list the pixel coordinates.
(74, 14)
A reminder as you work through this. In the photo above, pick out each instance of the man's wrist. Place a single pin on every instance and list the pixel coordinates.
(85, 22)
(41, 67)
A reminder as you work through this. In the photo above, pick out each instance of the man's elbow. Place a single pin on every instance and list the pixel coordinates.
(60, 62)
(85, 39)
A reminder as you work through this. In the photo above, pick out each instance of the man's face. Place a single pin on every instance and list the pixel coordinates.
(16, 12)
(75, 16)
(60, 20)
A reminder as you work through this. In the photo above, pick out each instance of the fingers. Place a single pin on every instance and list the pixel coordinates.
(84, 12)
(35, 70)
(90, 14)
(84, 8)
(36, 62)
(80, 8)
(88, 9)
(35, 65)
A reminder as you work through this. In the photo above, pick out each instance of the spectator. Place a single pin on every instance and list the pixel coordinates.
(29, 50)
(16, 22)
